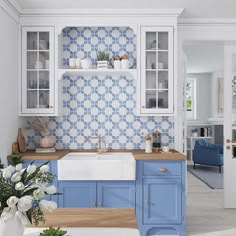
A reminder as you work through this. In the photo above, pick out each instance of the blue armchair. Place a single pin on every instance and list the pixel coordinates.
(205, 153)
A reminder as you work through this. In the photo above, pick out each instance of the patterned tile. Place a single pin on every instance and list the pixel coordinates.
(101, 104)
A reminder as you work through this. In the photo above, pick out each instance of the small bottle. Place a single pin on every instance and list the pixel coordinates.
(148, 148)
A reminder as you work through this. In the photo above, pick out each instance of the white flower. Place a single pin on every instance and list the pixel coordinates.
(25, 203)
(23, 218)
(11, 168)
(16, 177)
(47, 205)
(8, 213)
(22, 170)
(6, 174)
(31, 169)
(12, 201)
(18, 167)
(44, 169)
(38, 194)
(51, 189)
(19, 186)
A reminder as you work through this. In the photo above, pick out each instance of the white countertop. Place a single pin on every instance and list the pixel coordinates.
(88, 231)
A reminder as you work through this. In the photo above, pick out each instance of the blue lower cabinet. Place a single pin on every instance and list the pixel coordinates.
(162, 201)
(116, 194)
(76, 194)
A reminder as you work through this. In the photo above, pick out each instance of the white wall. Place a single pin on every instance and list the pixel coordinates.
(9, 76)
(203, 96)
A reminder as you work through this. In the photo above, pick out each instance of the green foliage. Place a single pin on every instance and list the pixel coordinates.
(1, 165)
(189, 105)
(15, 159)
(53, 232)
(102, 56)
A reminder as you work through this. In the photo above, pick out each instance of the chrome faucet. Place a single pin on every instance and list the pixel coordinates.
(100, 150)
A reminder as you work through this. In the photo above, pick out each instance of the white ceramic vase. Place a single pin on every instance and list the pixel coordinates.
(12, 227)
(47, 142)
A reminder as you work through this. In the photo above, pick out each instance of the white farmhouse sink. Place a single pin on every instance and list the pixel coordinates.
(93, 166)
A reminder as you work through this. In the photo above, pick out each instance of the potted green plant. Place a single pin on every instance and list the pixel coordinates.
(53, 231)
(14, 159)
(102, 60)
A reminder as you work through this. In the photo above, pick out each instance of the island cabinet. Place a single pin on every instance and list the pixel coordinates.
(160, 197)
(106, 194)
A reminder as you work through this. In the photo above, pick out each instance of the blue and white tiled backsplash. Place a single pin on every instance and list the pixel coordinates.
(101, 104)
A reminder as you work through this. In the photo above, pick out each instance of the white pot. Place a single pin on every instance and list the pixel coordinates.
(12, 227)
(47, 142)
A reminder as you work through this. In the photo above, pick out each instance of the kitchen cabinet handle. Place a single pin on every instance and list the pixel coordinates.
(94, 204)
(100, 204)
(163, 169)
(146, 202)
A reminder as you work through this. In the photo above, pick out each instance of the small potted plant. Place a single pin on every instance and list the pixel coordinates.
(53, 231)
(14, 159)
(102, 60)
(22, 193)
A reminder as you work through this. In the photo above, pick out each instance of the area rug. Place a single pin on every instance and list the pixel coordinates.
(209, 175)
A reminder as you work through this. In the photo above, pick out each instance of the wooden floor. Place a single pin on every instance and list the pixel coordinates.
(205, 213)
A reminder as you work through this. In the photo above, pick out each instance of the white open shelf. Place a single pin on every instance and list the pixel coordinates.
(68, 71)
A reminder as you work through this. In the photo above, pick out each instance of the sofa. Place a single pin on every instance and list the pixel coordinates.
(205, 153)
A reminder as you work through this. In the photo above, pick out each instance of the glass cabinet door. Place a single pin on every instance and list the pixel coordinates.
(37, 70)
(157, 70)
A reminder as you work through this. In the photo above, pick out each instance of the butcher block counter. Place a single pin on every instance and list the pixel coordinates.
(137, 154)
(91, 217)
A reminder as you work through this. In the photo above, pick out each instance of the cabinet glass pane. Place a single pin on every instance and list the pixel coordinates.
(162, 60)
(163, 40)
(44, 41)
(32, 80)
(44, 80)
(162, 99)
(32, 43)
(43, 99)
(151, 60)
(44, 60)
(163, 80)
(32, 99)
(151, 42)
(151, 98)
(151, 80)
(32, 60)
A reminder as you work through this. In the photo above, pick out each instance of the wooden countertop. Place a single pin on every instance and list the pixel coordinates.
(91, 217)
(137, 154)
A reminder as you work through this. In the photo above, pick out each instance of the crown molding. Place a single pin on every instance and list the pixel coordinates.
(206, 21)
(171, 12)
(12, 8)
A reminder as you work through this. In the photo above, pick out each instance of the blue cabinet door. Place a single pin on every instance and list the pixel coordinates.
(116, 194)
(162, 201)
(77, 194)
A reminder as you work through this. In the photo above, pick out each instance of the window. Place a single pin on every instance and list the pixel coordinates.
(191, 98)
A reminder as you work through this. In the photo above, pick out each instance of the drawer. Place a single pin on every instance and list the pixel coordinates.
(162, 168)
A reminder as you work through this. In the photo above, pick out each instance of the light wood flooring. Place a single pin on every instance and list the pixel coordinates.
(206, 215)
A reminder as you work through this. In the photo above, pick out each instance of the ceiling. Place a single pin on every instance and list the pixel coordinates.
(204, 57)
(193, 8)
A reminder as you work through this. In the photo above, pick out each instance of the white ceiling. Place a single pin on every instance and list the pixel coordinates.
(193, 8)
(205, 57)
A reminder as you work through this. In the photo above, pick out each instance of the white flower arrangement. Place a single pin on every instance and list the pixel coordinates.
(22, 193)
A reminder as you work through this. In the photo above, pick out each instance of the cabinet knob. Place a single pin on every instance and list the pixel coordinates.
(94, 204)
(100, 204)
(163, 169)
(228, 141)
(146, 202)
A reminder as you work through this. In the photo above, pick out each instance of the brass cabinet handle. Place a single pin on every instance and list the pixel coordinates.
(163, 169)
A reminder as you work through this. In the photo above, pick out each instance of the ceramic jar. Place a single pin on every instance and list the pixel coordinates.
(47, 142)
(148, 147)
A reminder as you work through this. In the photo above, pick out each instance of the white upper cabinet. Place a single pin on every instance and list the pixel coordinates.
(38, 95)
(156, 75)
